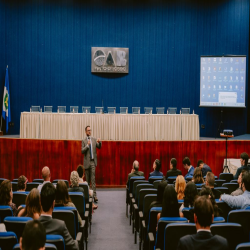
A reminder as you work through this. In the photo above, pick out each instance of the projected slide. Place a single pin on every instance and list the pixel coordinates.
(222, 81)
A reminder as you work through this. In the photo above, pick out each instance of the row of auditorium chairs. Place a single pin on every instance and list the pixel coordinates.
(141, 194)
(110, 110)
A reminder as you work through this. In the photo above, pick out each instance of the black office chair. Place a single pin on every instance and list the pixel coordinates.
(47, 247)
(219, 182)
(4, 212)
(8, 240)
(241, 217)
(156, 184)
(226, 176)
(230, 231)
(14, 186)
(56, 240)
(19, 198)
(151, 179)
(31, 185)
(16, 224)
(231, 186)
(174, 231)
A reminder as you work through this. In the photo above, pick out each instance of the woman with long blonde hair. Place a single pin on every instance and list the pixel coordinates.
(180, 186)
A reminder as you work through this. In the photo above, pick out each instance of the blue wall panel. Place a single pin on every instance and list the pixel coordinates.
(48, 49)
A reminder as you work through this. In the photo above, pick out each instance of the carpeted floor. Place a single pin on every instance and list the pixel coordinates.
(110, 227)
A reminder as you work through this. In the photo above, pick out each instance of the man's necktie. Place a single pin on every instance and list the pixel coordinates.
(90, 148)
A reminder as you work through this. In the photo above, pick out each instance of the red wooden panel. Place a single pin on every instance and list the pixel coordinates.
(115, 159)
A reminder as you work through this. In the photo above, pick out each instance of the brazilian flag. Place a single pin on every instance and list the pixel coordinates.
(6, 101)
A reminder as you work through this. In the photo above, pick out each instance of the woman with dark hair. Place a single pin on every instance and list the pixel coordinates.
(6, 196)
(197, 177)
(33, 206)
(21, 183)
(190, 195)
(170, 206)
(63, 199)
(208, 193)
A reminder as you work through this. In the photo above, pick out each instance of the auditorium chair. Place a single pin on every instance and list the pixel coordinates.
(14, 186)
(139, 207)
(189, 178)
(151, 227)
(47, 247)
(219, 182)
(15, 180)
(143, 215)
(234, 181)
(8, 240)
(69, 216)
(66, 182)
(243, 246)
(226, 176)
(233, 232)
(174, 231)
(31, 185)
(188, 213)
(16, 224)
(223, 208)
(56, 240)
(88, 202)
(199, 185)
(158, 242)
(231, 186)
(151, 179)
(19, 198)
(241, 217)
(156, 184)
(2, 179)
(223, 190)
(38, 180)
(171, 179)
(4, 212)
(129, 189)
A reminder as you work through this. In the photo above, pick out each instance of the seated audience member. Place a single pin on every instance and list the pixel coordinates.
(187, 165)
(81, 172)
(180, 186)
(158, 202)
(239, 191)
(240, 201)
(33, 237)
(33, 206)
(190, 194)
(46, 177)
(244, 164)
(135, 171)
(173, 170)
(203, 239)
(22, 183)
(54, 226)
(208, 193)
(156, 167)
(63, 199)
(197, 177)
(6, 196)
(204, 167)
(170, 206)
(210, 180)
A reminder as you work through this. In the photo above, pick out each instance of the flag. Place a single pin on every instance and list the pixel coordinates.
(6, 101)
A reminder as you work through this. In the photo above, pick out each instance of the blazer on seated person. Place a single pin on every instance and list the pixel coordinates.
(202, 240)
(136, 173)
(190, 172)
(173, 172)
(54, 226)
(156, 173)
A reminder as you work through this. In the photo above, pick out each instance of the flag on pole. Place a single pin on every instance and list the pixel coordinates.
(6, 101)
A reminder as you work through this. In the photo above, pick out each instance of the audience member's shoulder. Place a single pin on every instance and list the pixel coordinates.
(220, 240)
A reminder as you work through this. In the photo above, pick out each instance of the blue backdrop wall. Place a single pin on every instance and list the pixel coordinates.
(47, 46)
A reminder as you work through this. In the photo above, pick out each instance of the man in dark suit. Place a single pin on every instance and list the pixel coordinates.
(54, 226)
(210, 180)
(173, 170)
(203, 239)
(156, 167)
(204, 167)
(135, 171)
(89, 145)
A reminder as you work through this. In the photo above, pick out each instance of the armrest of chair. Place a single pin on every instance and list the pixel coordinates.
(79, 238)
(151, 241)
(144, 230)
(82, 225)
(135, 209)
(90, 200)
(87, 207)
(86, 217)
(130, 195)
(140, 223)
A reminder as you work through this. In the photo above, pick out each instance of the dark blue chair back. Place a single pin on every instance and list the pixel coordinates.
(47, 247)
(66, 182)
(8, 240)
(38, 180)
(142, 194)
(223, 190)
(16, 224)
(174, 231)
(231, 186)
(171, 179)
(219, 182)
(136, 183)
(14, 186)
(4, 212)
(218, 220)
(156, 184)
(226, 176)
(230, 231)
(243, 246)
(19, 198)
(31, 185)
(131, 181)
(223, 208)
(152, 219)
(56, 240)
(139, 187)
(151, 179)
(79, 201)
